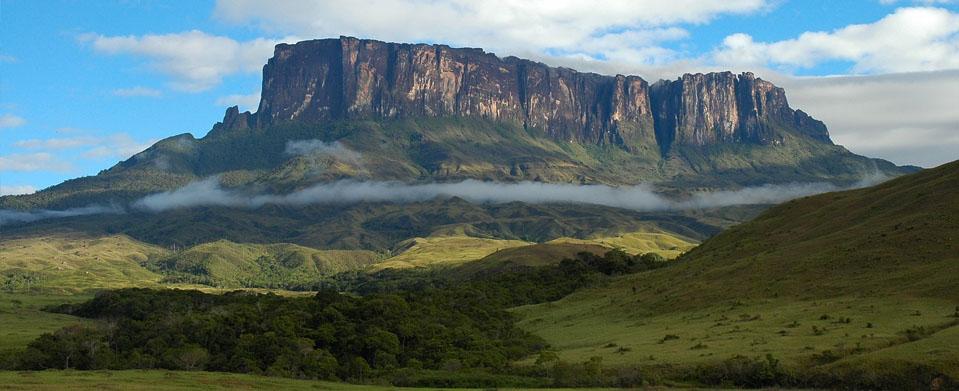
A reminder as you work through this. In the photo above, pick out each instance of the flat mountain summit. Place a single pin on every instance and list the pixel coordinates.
(349, 108)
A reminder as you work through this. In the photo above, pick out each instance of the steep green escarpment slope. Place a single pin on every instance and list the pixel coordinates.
(369, 110)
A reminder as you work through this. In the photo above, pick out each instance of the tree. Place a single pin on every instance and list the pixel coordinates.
(192, 357)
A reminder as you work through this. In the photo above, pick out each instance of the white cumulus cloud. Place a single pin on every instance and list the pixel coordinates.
(27, 162)
(16, 189)
(907, 40)
(117, 145)
(11, 121)
(137, 91)
(196, 61)
(247, 102)
(614, 28)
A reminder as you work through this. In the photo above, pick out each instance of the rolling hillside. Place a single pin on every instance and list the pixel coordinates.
(900, 237)
(850, 284)
(444, 251)
(76, 262)
(476, 254)
(235, 265)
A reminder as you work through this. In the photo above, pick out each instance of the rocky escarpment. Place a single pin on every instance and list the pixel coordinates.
(467, 114)
(703, 109)
(349, 78)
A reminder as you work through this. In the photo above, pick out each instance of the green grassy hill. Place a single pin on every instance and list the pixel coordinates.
(76, 262)
(73, 262)
(900, 237)
(488, 254)
(855, 284)
(541, 253)
(444, 251)
(233, 265)
(663, 243)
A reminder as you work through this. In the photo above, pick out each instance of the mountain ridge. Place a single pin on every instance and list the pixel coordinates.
(354, 78)
(430, 113)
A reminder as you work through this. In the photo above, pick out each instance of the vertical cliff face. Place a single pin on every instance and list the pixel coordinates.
(348, 78)
(704, 109)
(351, 78)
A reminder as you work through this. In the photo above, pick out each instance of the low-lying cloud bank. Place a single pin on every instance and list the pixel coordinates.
(209, 193)
(15, 216)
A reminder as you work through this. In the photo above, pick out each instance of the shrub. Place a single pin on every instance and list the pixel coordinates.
(743, 371)
(669, 337)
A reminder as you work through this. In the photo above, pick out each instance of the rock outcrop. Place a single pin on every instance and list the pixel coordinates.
(349, 78)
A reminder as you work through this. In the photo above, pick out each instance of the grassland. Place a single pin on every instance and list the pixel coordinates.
(665, 244)
(606, 324)
(23, 319)
(444, 251)
(236, 265)
(71, 261)
(485, 253)
(76, 262)
(541, 254)
(862, 281)
(162, 380)
(159, 380)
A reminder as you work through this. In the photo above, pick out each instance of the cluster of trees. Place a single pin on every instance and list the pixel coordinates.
(411, 329)
(328, 336)
(508, 287)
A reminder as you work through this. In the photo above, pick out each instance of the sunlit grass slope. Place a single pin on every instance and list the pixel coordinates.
(74, 262)
(486, 253)
(227, 264)
(666, 244)
(610, 325)
(444, 251)
(662, 243)
(859, 280)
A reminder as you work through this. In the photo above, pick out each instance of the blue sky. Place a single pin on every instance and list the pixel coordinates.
(85, 84)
